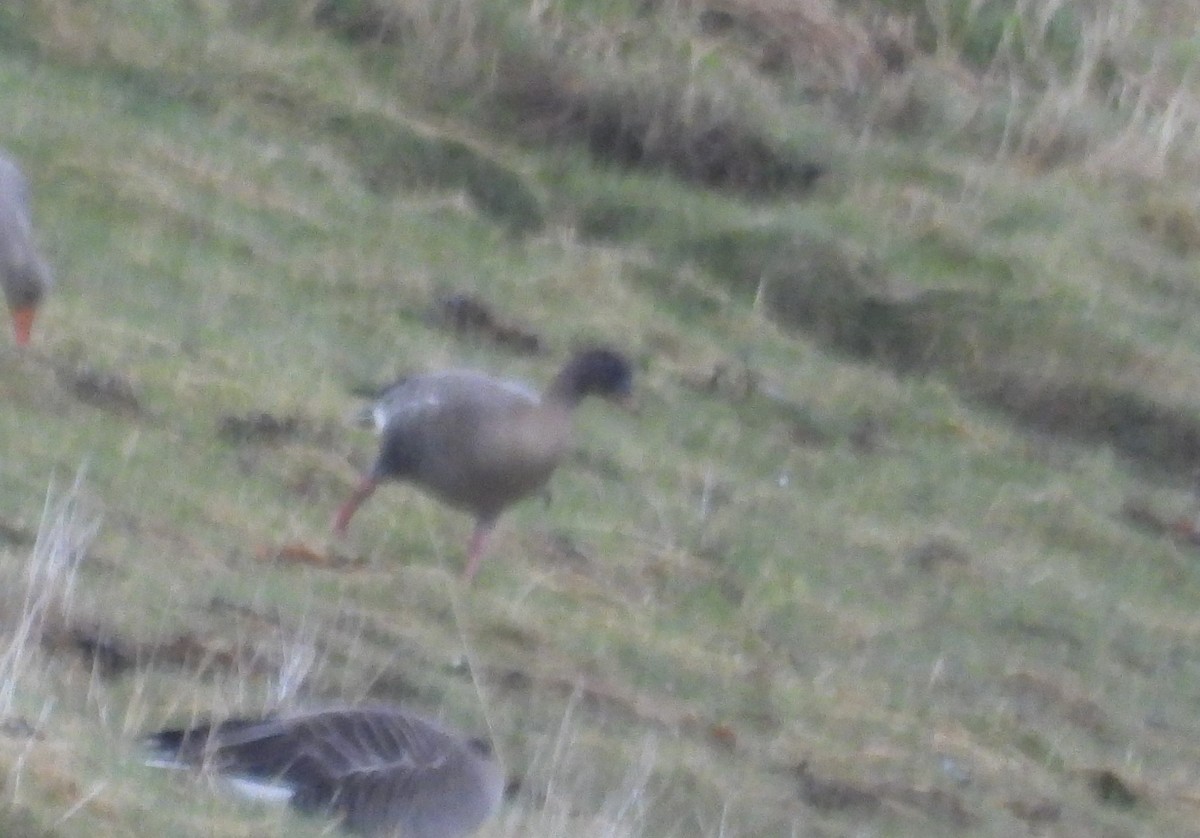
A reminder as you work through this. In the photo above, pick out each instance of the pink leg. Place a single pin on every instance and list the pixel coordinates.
(363, 491)
(479, 544)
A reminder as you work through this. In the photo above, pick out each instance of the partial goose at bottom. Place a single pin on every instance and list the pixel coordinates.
(383, 770)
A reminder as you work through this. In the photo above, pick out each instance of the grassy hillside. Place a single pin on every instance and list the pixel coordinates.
(900, 541)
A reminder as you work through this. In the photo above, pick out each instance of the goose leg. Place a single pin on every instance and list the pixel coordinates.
(22, 323)
(479, 545)
(363, 491)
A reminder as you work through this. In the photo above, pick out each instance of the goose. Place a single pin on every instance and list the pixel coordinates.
(23, 272)
(382, 769)
(479, 443)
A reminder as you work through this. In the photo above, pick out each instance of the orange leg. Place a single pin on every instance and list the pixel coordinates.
(22, 322)
(478, 548)
(364, 490)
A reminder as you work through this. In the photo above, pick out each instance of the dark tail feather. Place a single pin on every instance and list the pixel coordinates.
(184, 746)
(171, 747)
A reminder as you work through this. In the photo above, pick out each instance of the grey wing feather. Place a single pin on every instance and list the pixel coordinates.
(414, 399)
(380, 767)
(341, 743)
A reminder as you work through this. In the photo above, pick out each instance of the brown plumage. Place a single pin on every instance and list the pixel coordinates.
(383, 770)
(479, 443)
(24, 275)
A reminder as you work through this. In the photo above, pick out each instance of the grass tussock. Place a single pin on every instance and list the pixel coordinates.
(546, 80)
(45, 594)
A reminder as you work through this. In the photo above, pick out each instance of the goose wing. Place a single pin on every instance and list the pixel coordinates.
(379, 766)
(419, 399)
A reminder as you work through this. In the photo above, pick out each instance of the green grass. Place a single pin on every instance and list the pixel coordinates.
(972, 330)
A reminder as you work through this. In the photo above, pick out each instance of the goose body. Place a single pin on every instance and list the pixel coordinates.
(24, 275)
(479, 443)
(384, 770)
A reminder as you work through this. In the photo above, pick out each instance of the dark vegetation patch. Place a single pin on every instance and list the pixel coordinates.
(646, 123)
(821, 44)
(937, 554)
(110, 655)
(17, 536)
(1109, 788)
(813, 284)
(1164, 437)
(985, 345)
(394, 156)
(1041, 630)
(614, 216)
(18, 727)
(104, 389)
(1141, 514)
(258, 427)
(1038, 696)
(470, 316)
(541, 91)
(361, 21)
(1174, 223)
(1037, 813)
(107, 655)
(829, 794)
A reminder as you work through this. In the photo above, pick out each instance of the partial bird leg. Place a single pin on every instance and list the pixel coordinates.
(478, 548)
(22, 323)
(364, 490)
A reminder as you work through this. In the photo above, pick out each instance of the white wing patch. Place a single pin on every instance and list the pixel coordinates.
(260, 790)
(519, 388)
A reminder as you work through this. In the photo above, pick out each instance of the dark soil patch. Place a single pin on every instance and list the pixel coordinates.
(1140, 513)
(100, 388)
(18, 727)
(937, 554)
(259, 427)
(1038, 813)
(831, 795)
(18, 537)
(470, 316)
(1110, 789)
(109, 656)
(112, 656)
